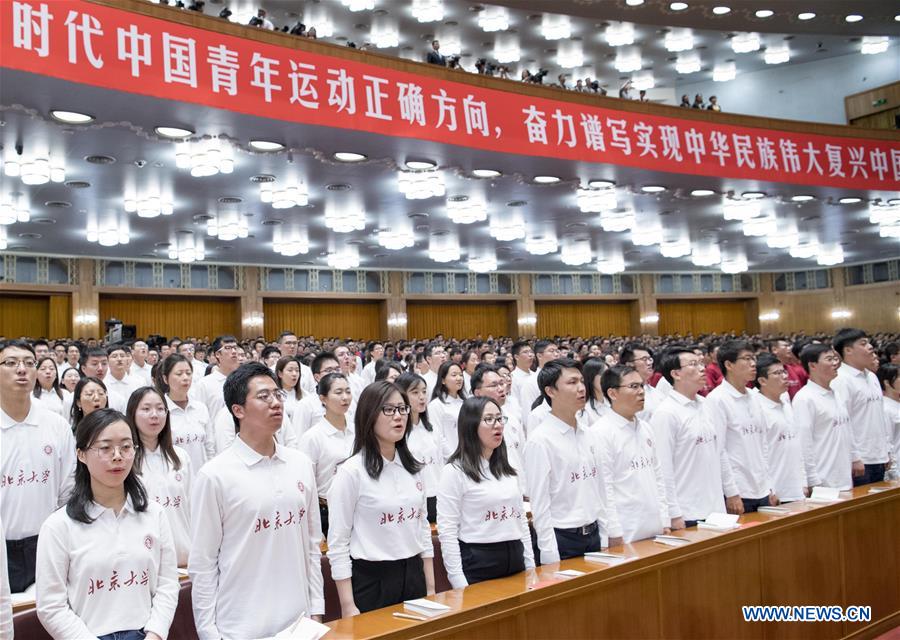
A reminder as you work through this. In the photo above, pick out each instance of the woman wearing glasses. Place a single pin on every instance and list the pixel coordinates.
(379, 541)
(481, 517)
(46, 387)
(447, 398)
(330, 441)
(106, 562)
(165, 469)
(89, 396)
(422, 439)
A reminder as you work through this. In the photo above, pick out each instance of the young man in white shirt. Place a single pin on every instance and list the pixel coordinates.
(346, 359)
(435, 355)
(822, 421)
(140, 368)
(785, 451)
(636, 504)
(860, 389)
(73, 359)
(889, 379)
(118, 381)
(288, 344)
(732, 411)
(376, 353)
(529, 391)
(691, 456)
(209, 389)
(562, 470)
(636, 355)
(310, 410)
(255, 531)
(523, 355)
(37, 461)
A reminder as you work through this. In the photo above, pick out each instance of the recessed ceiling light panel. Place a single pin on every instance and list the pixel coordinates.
(653, 188)
(176, 133)
(349, 156)
(702, 193)
(808, 15)
(266, 145)
(678, 6)
(71, 117)
(765, 13)
(485, 173)
(721, 10)
(546, 179)
(419, 165)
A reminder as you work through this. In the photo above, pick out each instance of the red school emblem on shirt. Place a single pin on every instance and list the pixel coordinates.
(301, 486)
(148, 542)
(177, 477)
(419, 485)
(48, 449)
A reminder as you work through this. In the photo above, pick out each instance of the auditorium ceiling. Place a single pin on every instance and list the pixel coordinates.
(119, 153)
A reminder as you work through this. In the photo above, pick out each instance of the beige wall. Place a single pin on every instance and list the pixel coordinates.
(874, 308)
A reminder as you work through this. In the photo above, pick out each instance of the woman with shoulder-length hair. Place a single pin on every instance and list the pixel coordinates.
(595, 408)
(90, 395)
(481, 517)
(387, 370)
(106, 562)
(46, 386)
(379, 540)
(192, 429)
(165, 469)
(422, 439)
(287, 372)
(447, 398)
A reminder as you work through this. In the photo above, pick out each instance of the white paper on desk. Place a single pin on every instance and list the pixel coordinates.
(570, 573)
(878, 489)
(774, 511)
(671, 541)
(720, 521)
(611, 559)
(425, 607)
(302, 628)
(825, 494)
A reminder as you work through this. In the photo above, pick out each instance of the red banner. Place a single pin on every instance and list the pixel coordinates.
(124, 51)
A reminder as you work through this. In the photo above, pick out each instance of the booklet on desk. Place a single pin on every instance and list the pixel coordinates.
(824, 494)
(425, 607)
(607, 558)
(720, 522)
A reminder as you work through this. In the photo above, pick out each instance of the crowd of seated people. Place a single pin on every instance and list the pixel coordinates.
(235, 460)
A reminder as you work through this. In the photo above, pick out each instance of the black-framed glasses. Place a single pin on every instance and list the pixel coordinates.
(391, 410)
(634, 386)
(495, 420)
(108, 451)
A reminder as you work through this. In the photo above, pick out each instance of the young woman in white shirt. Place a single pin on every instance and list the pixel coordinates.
(46, 386)
(422, 439)
(889, 379)
(469, 362)
(287, 371)
(330, 440)
(595, 407)
(446, 400)
(70, 378)
(165, 469)
(106, 562)
(386, 370)
(90, 395)
(481, 517)
(189, 418)
(379, 541)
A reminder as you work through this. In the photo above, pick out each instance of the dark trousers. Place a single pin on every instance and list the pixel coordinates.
(873, 473)
(20, 559)
(488, 560)
(323, 517)
(571, 543)
(381, 584)
(431, 506)
(752, 504)
(690, 523)
(134, 634)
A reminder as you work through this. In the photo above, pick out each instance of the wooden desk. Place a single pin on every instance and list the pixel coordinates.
(846, 553)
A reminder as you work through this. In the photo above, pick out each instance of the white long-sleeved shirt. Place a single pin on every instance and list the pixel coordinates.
(51, 401)
(171, 489)
(309, 410)
(536, 417)
(117, 573)
(478, 512)
(527, 393)
(636, 505)
(786, 465)
(565, 483)
(141, 373)
(430, 382)
(254, 530)
(862, 394)
(37, 466)
(652, 398)
(192, 430)
(444, 415)
(517, 379)
(376, 519)
(739, 425)
(368, 373)
(209, 391)
(120, 390)
(425, 446)
(823, 423)
(892, 417)
(327, 447)
(224, 433)
(6, 620)
(590, 416)
(690, 456)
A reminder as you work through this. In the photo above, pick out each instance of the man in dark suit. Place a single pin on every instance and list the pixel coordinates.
(434, 56)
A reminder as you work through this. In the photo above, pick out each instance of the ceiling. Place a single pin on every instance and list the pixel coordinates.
(124, 130)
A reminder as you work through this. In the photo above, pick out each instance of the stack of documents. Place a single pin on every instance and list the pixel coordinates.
(425, 607)
(720, 522)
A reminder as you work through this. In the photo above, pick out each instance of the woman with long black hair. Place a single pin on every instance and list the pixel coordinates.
(422, 439)
(446, 400)
(90, 395)
(106, 562)
(481, 517)
(46, 387)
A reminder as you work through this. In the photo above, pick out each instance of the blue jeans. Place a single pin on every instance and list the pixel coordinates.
(133, 634)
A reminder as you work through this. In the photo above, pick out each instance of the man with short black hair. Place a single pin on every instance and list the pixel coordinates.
(209, 389)
(41, 348)
(730, 408)
(529, 391)
(523, 355)
(375, 351)
(140, 368)
(562, 470)
(822, 421)
(119, 384)
(435, 355)
(255, 522)
(435, 56)
(638, 356)
(859, 388)
(37, 461)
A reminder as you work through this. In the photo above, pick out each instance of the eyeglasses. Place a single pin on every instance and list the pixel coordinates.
(108, 452)
(392, 410)
(268, 396)
(228, 347)
(13, 363)
(647, 359)
(328, 370)
(634, 386)
(778, 372)
(495, 420)
(749, 359)
(698, 364)
(99, 393)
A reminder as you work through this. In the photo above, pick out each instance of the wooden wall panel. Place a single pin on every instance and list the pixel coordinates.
(59, 320)
(323, 319)
(874, 307)
(460, 319)
(27, 316)
(584, 318)
(699, 316)
(174, 316)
